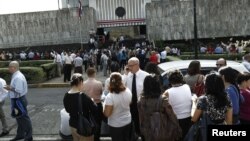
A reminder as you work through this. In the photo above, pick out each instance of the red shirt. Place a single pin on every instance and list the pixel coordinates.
(245, 106)
(153, 58)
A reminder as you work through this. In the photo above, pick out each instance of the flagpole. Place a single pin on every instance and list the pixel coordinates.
(80, 14)
(80, 32)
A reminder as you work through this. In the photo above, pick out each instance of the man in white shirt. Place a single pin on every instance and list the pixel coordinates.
(18, 88)
(3, 95)
(104, 61)
(137, 75)
(23, 55)
(163, 56)
(67, 67)
(58, 61)
(78, 61)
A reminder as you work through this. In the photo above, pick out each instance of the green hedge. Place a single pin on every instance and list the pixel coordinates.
(213, 56)
(4, 64)
(34, 63)
(50, 70)
(187, 53)
(32, 74)
(30, 63)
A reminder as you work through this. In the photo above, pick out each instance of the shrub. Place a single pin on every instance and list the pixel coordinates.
(29, 63)
(34, 63)
(50, 70)
(32, 74)
(4, 64)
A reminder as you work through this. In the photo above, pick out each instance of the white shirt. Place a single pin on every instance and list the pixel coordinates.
(164, 54)
(23, 55)
(158, 58)
(73, 55)
(58, 58)
(2, 84)
(121, 108)
(140, 76)
(19, 84)
(68, 59)
(3, 92)
(180, 98)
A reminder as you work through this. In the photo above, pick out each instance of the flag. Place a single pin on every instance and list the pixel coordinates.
(80, 9)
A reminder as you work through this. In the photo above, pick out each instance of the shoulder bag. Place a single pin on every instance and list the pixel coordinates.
(86, 125)
(199, 87)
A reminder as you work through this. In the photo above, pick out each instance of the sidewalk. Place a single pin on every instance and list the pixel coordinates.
(58, 81)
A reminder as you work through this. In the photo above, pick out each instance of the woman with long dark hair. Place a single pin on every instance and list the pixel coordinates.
(194, 76)
(149, 102)
(215, 102)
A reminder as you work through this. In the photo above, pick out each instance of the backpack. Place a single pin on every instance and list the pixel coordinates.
(164, 123)
(199, 87)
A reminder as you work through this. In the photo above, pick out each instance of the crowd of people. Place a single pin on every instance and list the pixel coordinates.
(130, 98)
(132, 92)
(231, 47)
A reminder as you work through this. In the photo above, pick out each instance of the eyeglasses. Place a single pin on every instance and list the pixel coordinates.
(219, 64)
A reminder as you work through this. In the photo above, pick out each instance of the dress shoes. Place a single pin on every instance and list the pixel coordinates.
(29, 139)
(4, 133)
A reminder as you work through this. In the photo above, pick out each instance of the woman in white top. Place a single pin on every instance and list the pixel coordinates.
(180, 98)
(117, 109)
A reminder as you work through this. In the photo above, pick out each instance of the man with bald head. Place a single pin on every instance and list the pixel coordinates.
(134, 82)
(220, 63)
(18, 89)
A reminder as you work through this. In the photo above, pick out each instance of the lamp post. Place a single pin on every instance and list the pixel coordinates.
(195, 32)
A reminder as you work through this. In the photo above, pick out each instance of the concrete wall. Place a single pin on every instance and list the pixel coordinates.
(46, 28)
(173, 19)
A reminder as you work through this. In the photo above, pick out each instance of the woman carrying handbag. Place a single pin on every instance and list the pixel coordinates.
(71, 104)
(214, 108)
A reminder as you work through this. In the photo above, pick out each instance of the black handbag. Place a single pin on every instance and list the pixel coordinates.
(86, 126)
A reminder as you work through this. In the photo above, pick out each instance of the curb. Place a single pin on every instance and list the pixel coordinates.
(48, 85)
